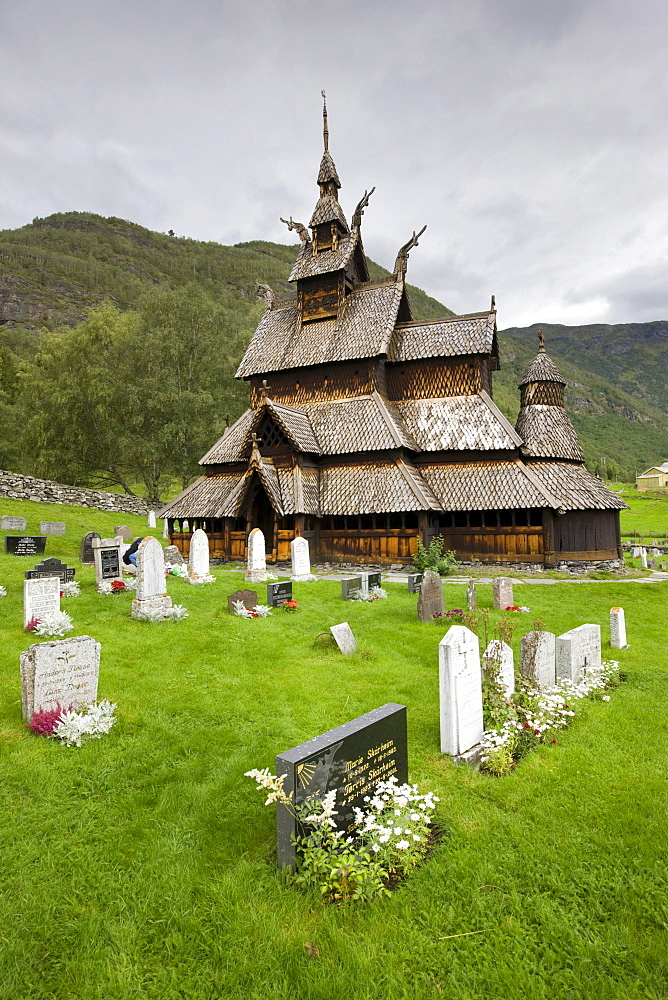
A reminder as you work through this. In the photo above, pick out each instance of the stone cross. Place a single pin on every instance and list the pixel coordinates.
(430, 598)
(256, 568)
(40, 597)
(198, 559)
(460, 681)
(471, 600)
(579, 653)
(617, 629)
(301, 562)
(502, 590)
(537, 658)
(62, 672)
(344, 638)
(499, 654)
(151, 589)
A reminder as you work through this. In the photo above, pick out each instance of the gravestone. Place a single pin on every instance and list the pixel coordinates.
(651, 563)
(256, 569)
(370, 580)
(165, 528)
(122, 531)
(172, 556)
(662, 565)
(537, 658)
(40, 597)
(279, 593)
(107, 558)
(52, 527)
(502, 590)
(352, 759)
(301, 561)
(635, 552)
(63, 672)
(86, 551)
(249, 598)
(618, 629)
(414, 581)
(9, 523)
(579, 653)
(471, 600)
(430, 598)
(151, 519)
(643, 558)
(50, 567)
(198, 558)
(25, 545)
(460, 682)
(349, 585)
(500, 653)
(151, 588)
(344, 638)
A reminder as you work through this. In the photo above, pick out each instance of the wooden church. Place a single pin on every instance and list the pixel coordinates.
(368, 430)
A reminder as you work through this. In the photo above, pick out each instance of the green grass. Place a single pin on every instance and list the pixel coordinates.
(648, 514)
(142, 864)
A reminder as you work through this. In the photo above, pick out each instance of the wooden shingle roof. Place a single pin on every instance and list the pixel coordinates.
(484, 486)
(471, 423)
(310, 264)
(547, 432)
(374, 487)
(574, 487)
(542, 369)
(472, 334)
(364, 423)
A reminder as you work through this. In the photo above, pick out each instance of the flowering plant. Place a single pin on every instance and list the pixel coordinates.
(156, 615)
(374, 594)
(516, 608)
(32, 624)
(205, 578)
(3, 592)
(43, 721)
(291, 606)
(88, 722)
(55, 623)
(259, 611)
(454, 613)
(70, 589)
(116, 586)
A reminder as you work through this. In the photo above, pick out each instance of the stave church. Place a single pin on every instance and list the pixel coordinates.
(368, 430)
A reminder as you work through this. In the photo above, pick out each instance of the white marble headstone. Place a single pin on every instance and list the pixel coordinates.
(63, 672)
(460, 681)
(151, 519)
(52, 527)
(198, 559)
(256, 567)
(643, 558)
(301, 562)
(500, 653)
(165, 528)
(537, 658)
(502, 590)
(150, 569)
(579, 653)
(617, 628)
(344, 638)
(40, 597)
(471, 600)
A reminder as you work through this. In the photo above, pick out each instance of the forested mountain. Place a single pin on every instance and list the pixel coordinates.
(169, 320)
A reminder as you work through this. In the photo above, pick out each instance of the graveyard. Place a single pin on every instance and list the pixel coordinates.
(143, 864)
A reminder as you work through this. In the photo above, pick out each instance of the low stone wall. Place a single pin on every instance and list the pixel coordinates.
(19, 487)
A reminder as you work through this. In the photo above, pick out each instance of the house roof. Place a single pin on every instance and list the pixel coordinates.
(547, 432)
(374, 487)
(471, 334)
(655, 468)
(458, 423)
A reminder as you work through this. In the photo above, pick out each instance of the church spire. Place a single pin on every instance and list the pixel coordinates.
(328, 212)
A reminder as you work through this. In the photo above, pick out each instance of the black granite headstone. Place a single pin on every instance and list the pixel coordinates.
(25, 545)
(352, 758)
(50, 567)
(414, 581)
(372, 580)
(110, 562)
(86, 550)
(279, 593)
(352, 583)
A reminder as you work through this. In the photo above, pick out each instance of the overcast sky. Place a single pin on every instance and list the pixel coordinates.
(529, 135)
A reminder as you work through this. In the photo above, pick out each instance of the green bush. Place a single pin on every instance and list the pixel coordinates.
(434, 557)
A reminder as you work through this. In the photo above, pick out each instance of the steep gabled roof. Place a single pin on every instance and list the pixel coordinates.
(458, 423)
(574, 487)
(471, 334)
(485, 486)
(364, 423)
(374, 488)
(310, 264)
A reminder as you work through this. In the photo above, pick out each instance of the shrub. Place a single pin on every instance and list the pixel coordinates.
(434, 557)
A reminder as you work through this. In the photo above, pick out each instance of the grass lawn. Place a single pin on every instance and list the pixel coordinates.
(142, 864)
(648, 514)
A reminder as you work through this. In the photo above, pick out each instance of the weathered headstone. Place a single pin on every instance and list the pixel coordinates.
(301, 562)
(651, 563)
(249, 598)
(107, 558)
(344, 638)
(414, 582)
(123, 531)
(25, 545)
(579, 653)
(52, 527)
(502, 590)
(352, 759)
(165, 528)
(172, 556)
(40, 597)
(349, 585)
(471, 600)
(430, 598)
(537, 658)
(51, 567)
(151, 519)
(9, 523)
(635, 552)
(279, 593)
(198, 558)
(256, 569)
(460, 680)
(86, 551)
(500, 654)
(662, 565)
(151, 589)
(618, 629)
(63, 672)
(643, 558)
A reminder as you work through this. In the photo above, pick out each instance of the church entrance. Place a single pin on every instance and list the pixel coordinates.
(262, 516)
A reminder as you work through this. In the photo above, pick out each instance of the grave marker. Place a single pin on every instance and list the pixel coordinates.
(165, 528)
(414, 581)
(256, 569)
(122, 531)
(618, 629)
(344, 638)
(63, 672)
(107, 558)
(349, 585)
(86, 551)
(352, 759)
(52, 527)
(151, 519)
(40, 597)
(25, 545)
(579, 653)
(643, 558)
(172, 556)
(301, 561)
(198, 558)
(9, 523)
(50, 567)
(537, 658)
(471, 600)
(502, 590)
(430, 598)
(151, 588)
(499, 653)
(460, 680)
(249, 598)
(279, 593)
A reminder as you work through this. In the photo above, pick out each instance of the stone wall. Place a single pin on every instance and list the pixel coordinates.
(19, 487)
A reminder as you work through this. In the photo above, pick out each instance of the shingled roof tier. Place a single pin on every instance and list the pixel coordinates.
(484, 486)
(473, 334)
(542, 369)
(574, 487)
(374, 488)
(547, 432)
(328, 209)
(310, 264)
(458, 423)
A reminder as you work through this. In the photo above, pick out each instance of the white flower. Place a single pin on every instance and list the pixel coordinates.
(176, 613)
(416, 837)
(606, 697)
(57, 623)
(402, 845)
(398, 831)
(90, 721)
(70, 589)
(263, 610)
(375, 847)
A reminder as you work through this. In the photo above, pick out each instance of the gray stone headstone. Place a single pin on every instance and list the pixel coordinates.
(151, 519)
(249, 598)
(344, 638)
(617, 628)
(499, 654)
(172, 556)
(256, 568)
(198, 558)
(370, 580)
(301, 561)
(460, 681)
(151, 588)
(579, 653)
(349, 585)
(8, 523)
(107, 558)
(122, 531)
(52, 527)
(40, 597)
(662, 565)
(537, 660)
(63, 672)
(165, 528)
(430, 598)
(471, 599)
(86, 550)
(502, 591)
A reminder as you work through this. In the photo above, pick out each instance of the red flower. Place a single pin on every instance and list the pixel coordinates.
(32, 624)
(553, 741)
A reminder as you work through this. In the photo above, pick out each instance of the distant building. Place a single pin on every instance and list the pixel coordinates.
(369, 430)
(655, 478)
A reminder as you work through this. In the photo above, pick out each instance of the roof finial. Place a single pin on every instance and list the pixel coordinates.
(325, 130)
(541, 341)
